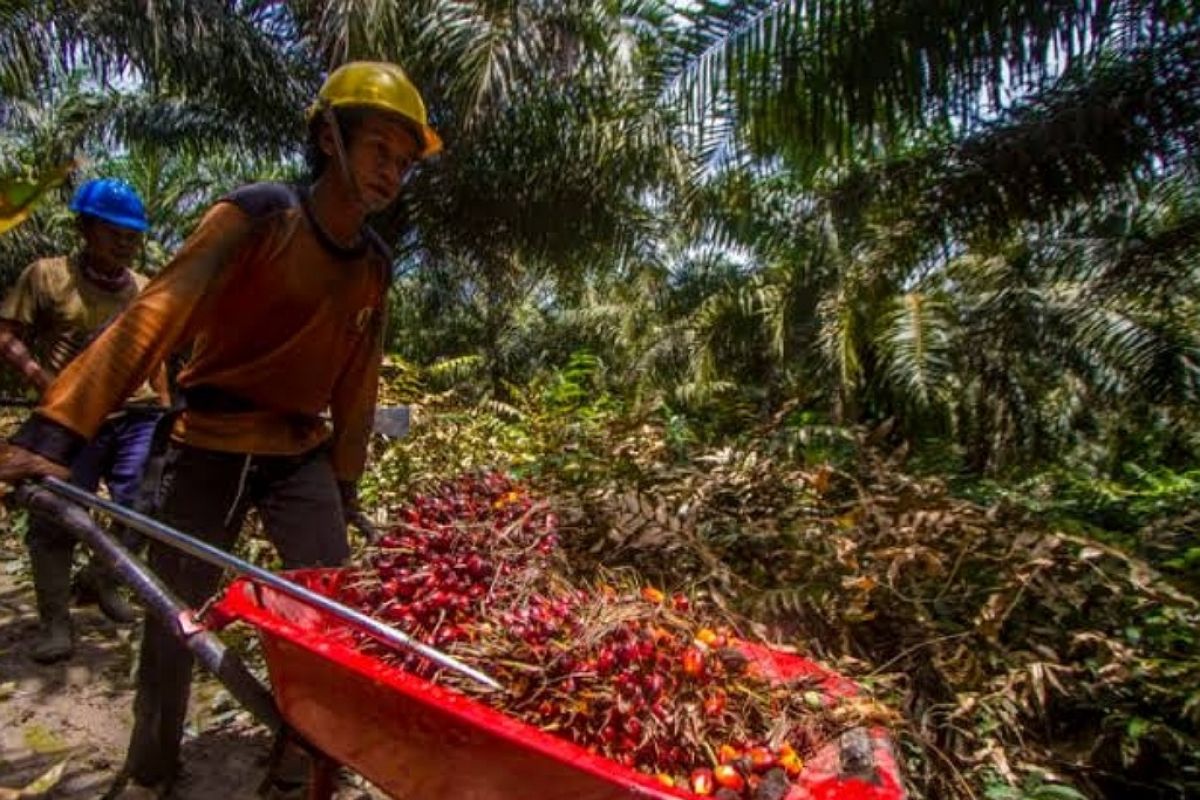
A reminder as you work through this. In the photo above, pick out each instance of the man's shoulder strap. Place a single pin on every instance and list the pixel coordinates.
(260, 200)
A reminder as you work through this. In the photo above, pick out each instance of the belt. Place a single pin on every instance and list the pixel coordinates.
(215, 400)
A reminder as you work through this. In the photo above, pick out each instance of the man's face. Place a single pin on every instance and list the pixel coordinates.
(380, 153)
(110, 248)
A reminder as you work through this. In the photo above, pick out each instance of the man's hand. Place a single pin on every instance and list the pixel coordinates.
(353, 513)
(18, 464)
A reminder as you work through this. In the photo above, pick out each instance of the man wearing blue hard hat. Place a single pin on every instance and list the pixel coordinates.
(56, 307)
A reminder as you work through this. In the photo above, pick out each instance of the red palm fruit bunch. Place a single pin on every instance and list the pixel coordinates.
(626, 671)
(643, 685)
(450, 556)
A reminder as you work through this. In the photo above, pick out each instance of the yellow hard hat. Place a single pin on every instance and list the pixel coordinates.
(382, 86)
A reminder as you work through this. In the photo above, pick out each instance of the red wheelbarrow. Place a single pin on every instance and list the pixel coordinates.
(410, 737)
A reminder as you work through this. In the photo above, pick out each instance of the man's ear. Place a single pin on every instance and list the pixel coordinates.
(326, 141)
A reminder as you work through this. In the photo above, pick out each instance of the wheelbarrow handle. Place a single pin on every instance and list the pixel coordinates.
(158, 598)
(213, 555)
(9, 401)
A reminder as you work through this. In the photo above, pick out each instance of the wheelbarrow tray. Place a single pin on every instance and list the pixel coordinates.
(418, 741)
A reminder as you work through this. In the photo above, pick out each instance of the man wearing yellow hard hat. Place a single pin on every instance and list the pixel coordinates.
(280, 294)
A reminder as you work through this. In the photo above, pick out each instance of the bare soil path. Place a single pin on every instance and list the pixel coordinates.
(79, 713)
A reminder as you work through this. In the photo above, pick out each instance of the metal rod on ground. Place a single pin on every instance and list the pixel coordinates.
(213, 555)
(205, 645)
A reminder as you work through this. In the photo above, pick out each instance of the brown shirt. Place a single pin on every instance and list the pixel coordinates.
(60, 310)
(277, 317)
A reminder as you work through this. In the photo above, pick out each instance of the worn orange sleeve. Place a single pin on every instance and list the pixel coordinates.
(167, 314)
(352, 406)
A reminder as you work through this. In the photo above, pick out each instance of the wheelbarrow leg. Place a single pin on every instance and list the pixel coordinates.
(283, 766)
(322, 777)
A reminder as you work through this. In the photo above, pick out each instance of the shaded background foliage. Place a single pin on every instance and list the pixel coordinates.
(743, 240)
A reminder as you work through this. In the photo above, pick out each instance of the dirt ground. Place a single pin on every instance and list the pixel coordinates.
(78, 714)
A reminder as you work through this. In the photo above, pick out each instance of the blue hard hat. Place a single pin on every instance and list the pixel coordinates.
(111, 200)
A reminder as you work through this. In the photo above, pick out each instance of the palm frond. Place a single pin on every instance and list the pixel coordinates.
(816, 78)
(456, 369)
(915, 340)
(171, 48)
(1096, 129)
(840, 338)
(557, 174)
(27, 50)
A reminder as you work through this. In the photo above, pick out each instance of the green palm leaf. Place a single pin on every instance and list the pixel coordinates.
(916, 341)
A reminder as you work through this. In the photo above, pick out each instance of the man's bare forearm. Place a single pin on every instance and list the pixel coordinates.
(14, 353)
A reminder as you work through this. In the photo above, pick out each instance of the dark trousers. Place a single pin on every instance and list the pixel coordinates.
(117, 455)
(206, 494)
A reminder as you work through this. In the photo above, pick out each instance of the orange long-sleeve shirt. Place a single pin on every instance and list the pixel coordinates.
(277, 316)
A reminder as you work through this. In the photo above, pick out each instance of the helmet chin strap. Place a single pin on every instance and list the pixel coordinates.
(339, 152)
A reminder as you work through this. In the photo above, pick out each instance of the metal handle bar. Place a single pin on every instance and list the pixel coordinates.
(158, 598)
(213, 555)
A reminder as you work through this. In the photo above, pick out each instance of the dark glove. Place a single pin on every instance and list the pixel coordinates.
(353, 513)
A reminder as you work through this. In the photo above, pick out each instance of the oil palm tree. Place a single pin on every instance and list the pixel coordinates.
(557, 148)
(216, 72)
